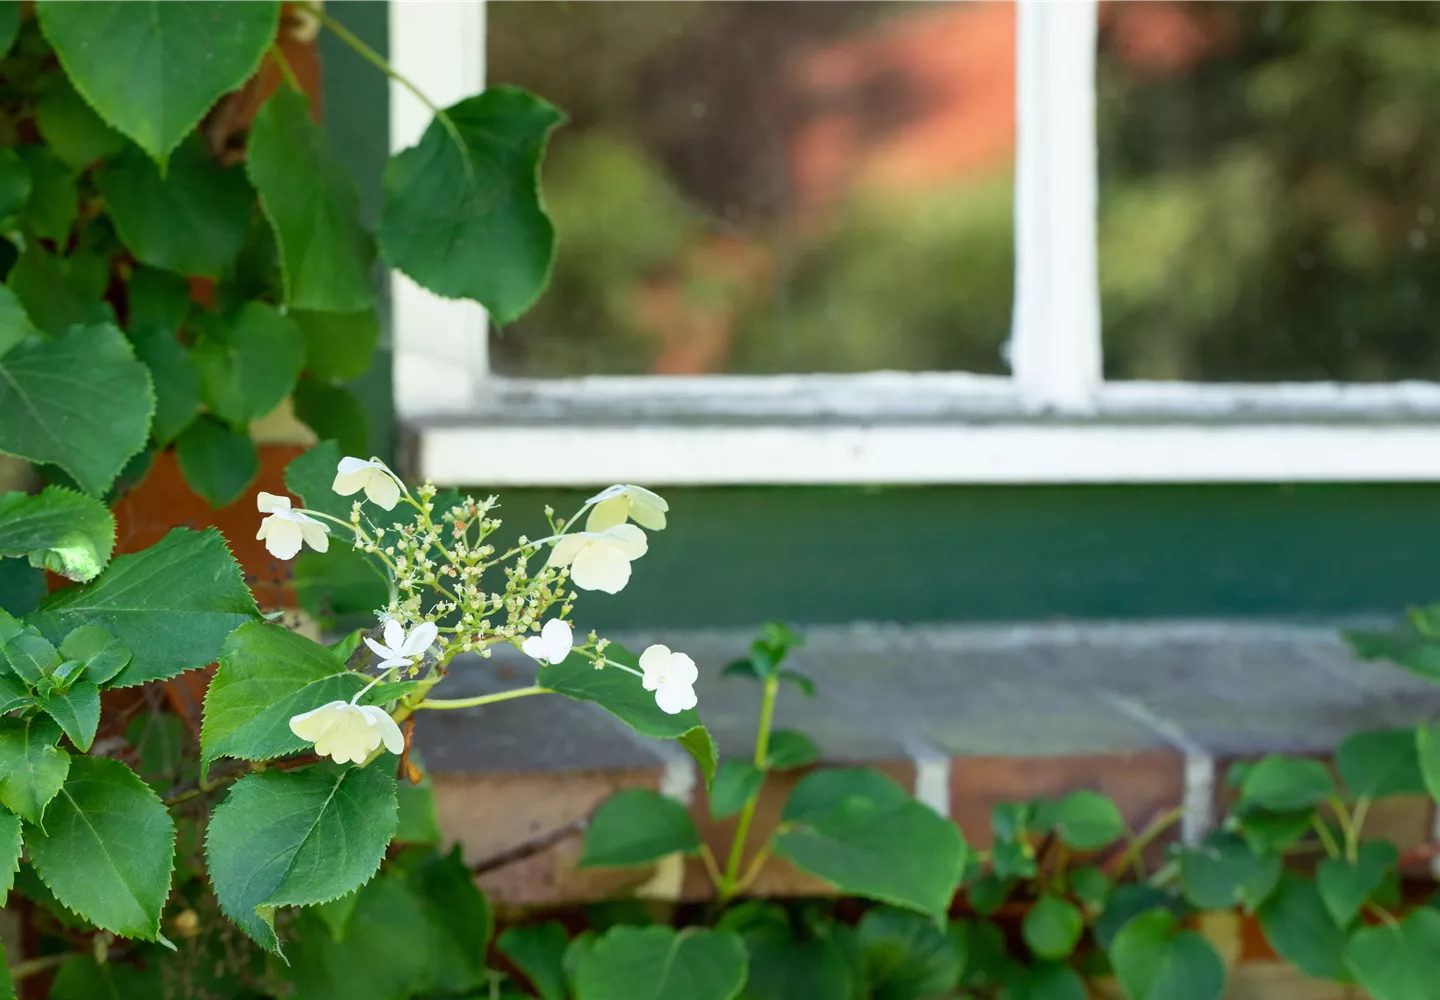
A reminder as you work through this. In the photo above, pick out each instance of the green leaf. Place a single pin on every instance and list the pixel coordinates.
(983, 950)
(905, 956)
(1011, 820)
(70, 127)
(107, 848)
(635, 827)
(175, 378)
(465, 219)
(618, 692)
(1345, 886)
(218, 463)
(338, 346)
(15, 325)
(1275, 833)
(1127, 902)
(9, 28)
(192, 54)
(1013, 859)
(538, 950)
(337, 912)
(78, 712)
(659, 963)
(1406, 646)
(156, 300)
(248, 366)
(10, 847)
(382, 955)
(1083, 820)
(1286, 784)
(859, 830)
(783, 969)
(81, 401)
(1399, 961)
(1379, 763)
(313, 206)
(65, 532)
(790, 749)
(172, 604)
(989, 892)
(32, 767)
(103, 655)
(54, 200)
(31, 656)
(736, 782)
(1427, 747)
(191, 219)
(14, 186)
(340, 585)
(1155, 960)
(418, 823)
(1044, 981)
(297, 838)
(458, 922)
(61, 292)
(21, 587)
(1052, 928)
(1299, 927)
(333, 412)
(701, 746)
(267, 675)
(1090, 885)
(1224, 871)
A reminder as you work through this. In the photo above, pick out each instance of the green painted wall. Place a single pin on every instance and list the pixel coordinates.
(736, 556)
(356, 100)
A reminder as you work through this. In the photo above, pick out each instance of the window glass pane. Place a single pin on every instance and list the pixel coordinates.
(796, 186)
(1269, 183)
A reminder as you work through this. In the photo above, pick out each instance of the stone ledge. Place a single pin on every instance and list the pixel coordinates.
(1150, 714)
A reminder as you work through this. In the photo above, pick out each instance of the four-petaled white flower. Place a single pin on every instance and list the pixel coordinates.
(285, 530)
(600, 560)
(355, 474)
(552, 644)
(616, 504)
(671, 676)
(348, 732)
(401, 648)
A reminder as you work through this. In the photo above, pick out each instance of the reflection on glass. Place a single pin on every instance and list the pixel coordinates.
(797, 186)
(1269, 182)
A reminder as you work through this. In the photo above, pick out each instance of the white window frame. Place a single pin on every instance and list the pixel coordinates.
(1055, 420)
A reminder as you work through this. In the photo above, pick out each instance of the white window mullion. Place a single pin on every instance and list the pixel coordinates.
(441, 345)
(1055, 346)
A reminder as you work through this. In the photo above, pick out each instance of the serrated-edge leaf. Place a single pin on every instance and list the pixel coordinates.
(77, 711)
(143, 920)
(74, 550)
(11, 844)
(21, 798)
(75, 606)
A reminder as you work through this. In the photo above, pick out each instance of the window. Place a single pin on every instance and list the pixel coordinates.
(1240, 210)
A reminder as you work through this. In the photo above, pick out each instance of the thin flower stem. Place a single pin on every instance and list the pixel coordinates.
(1133, 854)
(730, 883)
(1356, 827)
(756, 863)
(379, 62)
(712, 867)
(285, 70)
(484, 699)
(35, 966)
(1326, 838)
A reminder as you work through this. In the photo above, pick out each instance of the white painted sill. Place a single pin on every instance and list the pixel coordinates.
(903, 428)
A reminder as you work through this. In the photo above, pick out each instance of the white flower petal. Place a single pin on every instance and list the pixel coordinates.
(648, 509)
(282, 538)
(653, 664)
(382, 490)
(347, 483)
(419, 639)
(610, 491)
(601, 567)
(385, 726)
(558, 634)
(379, 650)
(608, 513)
(394, 634)
(309, 725)
(682, 670)
(315, 534)
(676, 698)
(349, 465)
(630, 539)
(535, 648)
(566, 550)
(268, 503)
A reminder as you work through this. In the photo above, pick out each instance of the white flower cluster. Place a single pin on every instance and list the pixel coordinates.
(446, 560)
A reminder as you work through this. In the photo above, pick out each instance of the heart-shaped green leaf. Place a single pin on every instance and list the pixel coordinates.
(60, 530)
(637, 827)
(660, 963)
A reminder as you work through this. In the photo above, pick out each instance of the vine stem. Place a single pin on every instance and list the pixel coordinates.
(1133, 854)
(285, 68)
(35, 966)
(730, 883)
(379, 62)
(483, 699)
